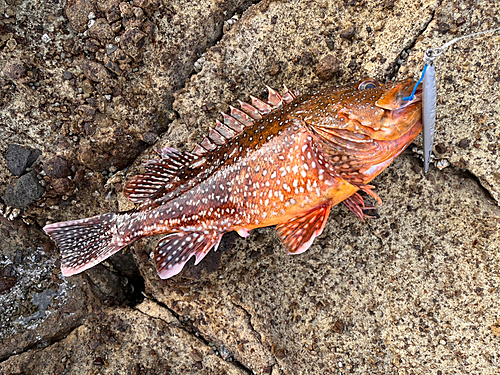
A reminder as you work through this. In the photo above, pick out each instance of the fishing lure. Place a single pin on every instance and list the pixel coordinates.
(429, 93)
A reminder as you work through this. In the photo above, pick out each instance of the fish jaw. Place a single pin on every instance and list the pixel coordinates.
(398, 145)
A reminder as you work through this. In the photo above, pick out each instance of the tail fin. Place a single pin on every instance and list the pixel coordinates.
(86, 242)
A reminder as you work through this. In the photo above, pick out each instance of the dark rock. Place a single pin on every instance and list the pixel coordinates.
(443, 27)
(92, 45)
(132, 41)
(15, 70)
(464, 143)
(19, 158)
(95, 72)
(24, 191)
(68, 75)
(77, 12)
(101, 30)
(441, 148)
(327, 67)
(8, 278)
(460, 21)
(348, 33)
(112, 66)
(150, 138)
(306, 58)
(57, 167)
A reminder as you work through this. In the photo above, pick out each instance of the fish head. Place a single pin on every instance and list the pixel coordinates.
(379, 110)
(368, 124)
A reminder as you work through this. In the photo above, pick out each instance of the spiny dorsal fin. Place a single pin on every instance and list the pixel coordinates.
(239, 119)
(274, 97)
(159, 173)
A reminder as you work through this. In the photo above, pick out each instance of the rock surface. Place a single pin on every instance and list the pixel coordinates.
(144, 340)
(92, 84)
(468, 113)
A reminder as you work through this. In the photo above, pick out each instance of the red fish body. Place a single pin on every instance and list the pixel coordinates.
(284, 162)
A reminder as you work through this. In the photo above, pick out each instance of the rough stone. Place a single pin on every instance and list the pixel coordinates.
(411, 292)
(95, 72)
(327, 67)
(15, 70)
(78, 12)
(148, 333)
(132, 41)
(101, 30)
(62, 185)
(24, 191)
(57, 167)
(19, 158)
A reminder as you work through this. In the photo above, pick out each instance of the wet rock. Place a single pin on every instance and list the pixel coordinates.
(77, 12)
(327, 67)
(23, 191)
(19, 158)
(15, 70)
(95, 72)
(132, 41)
(57, 167)
(101, 30)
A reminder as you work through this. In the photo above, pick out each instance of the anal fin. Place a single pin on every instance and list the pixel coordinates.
(298, 234)
(175, 249)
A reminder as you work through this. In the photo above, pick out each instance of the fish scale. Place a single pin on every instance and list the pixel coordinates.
(283, 162)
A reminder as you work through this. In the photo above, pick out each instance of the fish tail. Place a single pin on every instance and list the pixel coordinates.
(86, 242)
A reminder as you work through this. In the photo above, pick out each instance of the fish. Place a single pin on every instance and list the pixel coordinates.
(285, 161)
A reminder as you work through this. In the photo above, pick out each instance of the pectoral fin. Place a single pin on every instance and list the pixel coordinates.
(357, 205)
(298, 234)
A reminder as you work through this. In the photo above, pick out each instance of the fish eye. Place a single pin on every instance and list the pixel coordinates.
(368, 84)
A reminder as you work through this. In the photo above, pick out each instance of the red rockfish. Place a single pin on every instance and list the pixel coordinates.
(283, 162)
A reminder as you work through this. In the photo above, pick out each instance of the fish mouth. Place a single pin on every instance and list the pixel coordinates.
(394, 98)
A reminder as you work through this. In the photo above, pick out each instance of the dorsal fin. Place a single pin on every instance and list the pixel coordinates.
(274, 98)
(263, 107)
(239, 119)
(160, 172)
